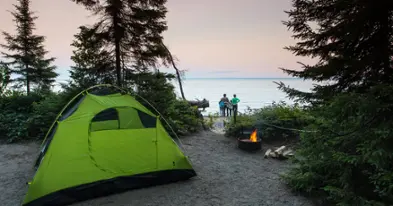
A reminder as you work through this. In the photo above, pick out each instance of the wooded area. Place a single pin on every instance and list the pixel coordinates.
(124, 47)
(344, 133)
(345, 153)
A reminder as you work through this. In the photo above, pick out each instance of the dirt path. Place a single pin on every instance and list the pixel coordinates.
(226, 176)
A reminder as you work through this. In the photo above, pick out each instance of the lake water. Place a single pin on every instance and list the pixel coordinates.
(254, 93)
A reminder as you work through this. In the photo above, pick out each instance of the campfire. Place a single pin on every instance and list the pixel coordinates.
(250, 143)
(253, 136)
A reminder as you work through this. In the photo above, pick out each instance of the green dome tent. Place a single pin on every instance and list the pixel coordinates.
(104, 142)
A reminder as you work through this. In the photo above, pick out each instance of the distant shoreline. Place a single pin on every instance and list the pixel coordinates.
(231, 78)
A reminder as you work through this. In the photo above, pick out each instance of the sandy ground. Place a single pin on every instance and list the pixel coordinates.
(16, 162)
(226, 176)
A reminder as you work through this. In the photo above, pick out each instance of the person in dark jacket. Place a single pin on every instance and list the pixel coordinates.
(225, 99)
(222, 107)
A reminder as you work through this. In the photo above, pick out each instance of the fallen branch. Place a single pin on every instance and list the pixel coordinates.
(199, 103)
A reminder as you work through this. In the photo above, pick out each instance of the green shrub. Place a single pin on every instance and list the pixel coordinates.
(15, 110)
(28, 117)
(44, 113)
(233, 129)
(183, 118)
(280, 121)
(13, 126)
(277, 122)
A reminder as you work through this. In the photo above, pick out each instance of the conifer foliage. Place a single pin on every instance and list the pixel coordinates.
(132, 32)
(93, 65)
(26, 51)
(4, 77)
(351, 39)
(349, 159)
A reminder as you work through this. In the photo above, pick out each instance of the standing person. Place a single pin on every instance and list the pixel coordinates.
(234, 102)
(222, 106)
(225, 99)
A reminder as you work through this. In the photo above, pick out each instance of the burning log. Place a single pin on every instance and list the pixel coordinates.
(199, 103)
(251, 144)
(281, 153)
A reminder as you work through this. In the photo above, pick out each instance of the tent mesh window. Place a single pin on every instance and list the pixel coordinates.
(122, 118)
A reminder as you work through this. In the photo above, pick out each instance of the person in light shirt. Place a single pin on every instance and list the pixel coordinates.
(234, 102)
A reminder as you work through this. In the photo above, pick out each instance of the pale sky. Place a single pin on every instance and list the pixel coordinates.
(210, 38)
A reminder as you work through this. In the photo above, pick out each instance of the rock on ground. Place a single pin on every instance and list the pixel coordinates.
(226, 176)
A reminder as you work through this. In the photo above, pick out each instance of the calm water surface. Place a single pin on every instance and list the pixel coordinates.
(254, 93)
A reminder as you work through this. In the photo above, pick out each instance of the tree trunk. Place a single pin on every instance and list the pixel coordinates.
(180, 84)
(25, 61)
(177, 71)
(118, 66)
(27, 79)
(118, 37)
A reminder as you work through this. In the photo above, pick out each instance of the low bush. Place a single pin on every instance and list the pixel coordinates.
(45, 112)
(28, 117)
(233, 129)
(277, 122)
(183, 118)
(15, 110)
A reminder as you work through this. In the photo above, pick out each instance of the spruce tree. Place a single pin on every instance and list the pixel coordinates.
(26, 51)
(352, 41)
(93, 65)
(4, 77)
(132, 30)
(348, 154)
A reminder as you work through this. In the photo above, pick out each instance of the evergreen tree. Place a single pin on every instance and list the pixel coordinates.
(4, 77)
(348, 157)
(93, 65)
(132, 31)
(26, 50)
(45, 72)
(353, 42)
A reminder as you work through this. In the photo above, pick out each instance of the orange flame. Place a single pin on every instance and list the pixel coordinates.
(253, 136)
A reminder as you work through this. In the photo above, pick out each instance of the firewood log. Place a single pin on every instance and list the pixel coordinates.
(267, 153)
(280, 150)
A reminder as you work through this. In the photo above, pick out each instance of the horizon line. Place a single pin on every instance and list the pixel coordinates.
(191, 78)
(187, 78)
